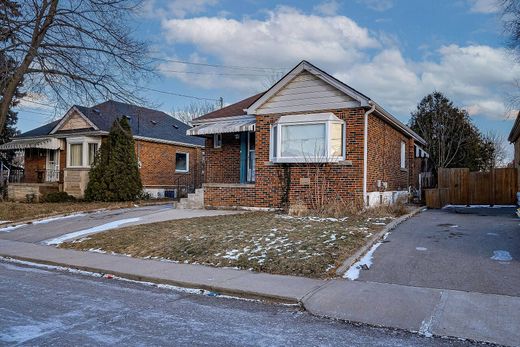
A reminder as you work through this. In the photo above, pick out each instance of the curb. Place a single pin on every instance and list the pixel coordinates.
(244, 294)
(44, 217)
(347, 263)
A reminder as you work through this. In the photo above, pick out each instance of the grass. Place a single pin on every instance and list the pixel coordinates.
(259, 241)
(18, 211)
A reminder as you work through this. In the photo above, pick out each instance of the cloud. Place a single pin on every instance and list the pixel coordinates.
(484, 6)
(377, 5)
(284, 38)
(175, 8)
(327, 8)
(476, 77)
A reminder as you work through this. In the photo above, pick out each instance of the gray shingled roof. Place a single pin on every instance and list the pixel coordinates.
(145, 122)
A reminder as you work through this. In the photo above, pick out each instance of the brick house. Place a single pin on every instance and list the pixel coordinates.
(308, 137)
(58, 155)
(514, 138)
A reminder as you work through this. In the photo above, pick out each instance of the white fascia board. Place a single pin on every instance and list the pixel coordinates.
(168, 142)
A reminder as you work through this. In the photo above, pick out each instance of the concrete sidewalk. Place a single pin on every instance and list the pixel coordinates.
(483, 317)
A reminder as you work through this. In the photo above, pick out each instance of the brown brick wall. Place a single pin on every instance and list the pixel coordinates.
(344, 181)
(384, 156)
(230, 196)
(223, 164)
(158, 162)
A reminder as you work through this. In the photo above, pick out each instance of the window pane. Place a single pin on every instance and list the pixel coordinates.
(336, 140)
(307, 140)
(274, 142)
(181, 163)
(403, 155)
(92, 149)
(76, 154)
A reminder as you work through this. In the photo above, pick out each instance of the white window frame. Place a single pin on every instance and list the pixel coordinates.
(217, 140)
(95, 152)
(307, 119)
(403, 155)
(84, 141)
(187, 162)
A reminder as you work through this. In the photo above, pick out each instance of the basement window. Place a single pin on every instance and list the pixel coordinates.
(308, 138)
(182, 162)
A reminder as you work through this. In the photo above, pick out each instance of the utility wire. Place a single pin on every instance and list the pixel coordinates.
(222, 66)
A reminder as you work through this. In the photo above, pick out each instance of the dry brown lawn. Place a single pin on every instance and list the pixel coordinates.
(259, 241)
(19, 211)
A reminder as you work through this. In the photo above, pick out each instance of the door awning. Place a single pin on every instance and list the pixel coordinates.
(234, 126)
(43, 143)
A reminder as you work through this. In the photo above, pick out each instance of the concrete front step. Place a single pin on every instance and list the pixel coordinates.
(193, 201)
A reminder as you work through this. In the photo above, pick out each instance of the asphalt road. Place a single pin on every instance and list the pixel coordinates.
(55, 227)
(468, 249)
(41, 307)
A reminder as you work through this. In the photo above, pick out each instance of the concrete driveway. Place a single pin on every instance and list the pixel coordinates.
(80, 225)
(467, 249)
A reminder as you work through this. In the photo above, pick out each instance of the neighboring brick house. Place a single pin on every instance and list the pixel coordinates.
(514, 138)
(304, 140)
(58, 155)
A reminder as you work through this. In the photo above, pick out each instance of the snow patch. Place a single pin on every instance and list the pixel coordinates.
(501, 255)
(99, 228)
(365, 261)
(11, 228)
(52, 219)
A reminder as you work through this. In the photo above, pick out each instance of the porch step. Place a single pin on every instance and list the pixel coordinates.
(193, 201)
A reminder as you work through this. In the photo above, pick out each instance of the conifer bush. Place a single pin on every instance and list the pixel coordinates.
(114, 175)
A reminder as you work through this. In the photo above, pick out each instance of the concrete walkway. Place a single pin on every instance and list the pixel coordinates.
(53, 227)
(483, 317)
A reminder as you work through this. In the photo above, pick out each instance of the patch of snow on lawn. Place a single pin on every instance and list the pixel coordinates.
(501, 256)
(366, 260)
(97, 229)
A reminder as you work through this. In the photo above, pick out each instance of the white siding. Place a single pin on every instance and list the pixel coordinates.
(306, 92)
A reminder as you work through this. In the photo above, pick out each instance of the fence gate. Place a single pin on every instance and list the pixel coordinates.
(459, 186)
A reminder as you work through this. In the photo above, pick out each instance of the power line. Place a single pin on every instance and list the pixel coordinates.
(177, 94)
(36, 102)
(213, 73)
(222, 66)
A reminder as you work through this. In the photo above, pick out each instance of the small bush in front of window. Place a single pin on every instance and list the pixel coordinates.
(57, 197)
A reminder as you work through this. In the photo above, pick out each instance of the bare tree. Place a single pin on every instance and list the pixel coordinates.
(193, 110)
(498, 155)
(71, 50)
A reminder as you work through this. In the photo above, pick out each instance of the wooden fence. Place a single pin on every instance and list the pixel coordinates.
(462, 187)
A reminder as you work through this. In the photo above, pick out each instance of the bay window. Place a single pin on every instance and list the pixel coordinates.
(81, 151)
(308, 138)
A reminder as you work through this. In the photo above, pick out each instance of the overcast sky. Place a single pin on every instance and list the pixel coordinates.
(394, 51)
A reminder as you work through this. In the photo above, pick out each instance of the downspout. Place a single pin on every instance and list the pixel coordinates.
(365, 150)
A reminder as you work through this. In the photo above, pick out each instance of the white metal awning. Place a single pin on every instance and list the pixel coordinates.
(44, 143)
(221, 127)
